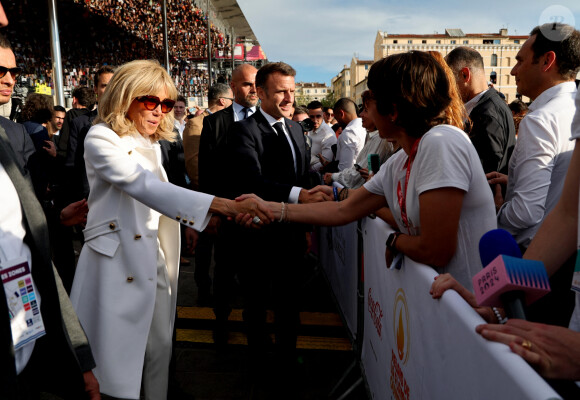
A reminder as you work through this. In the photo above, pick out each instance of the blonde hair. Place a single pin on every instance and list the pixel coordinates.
(131, 80)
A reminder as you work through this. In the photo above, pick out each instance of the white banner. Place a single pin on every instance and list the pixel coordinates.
(416, 347)
(338, 256)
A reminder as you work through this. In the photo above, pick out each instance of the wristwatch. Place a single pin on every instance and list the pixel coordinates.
(391, 241)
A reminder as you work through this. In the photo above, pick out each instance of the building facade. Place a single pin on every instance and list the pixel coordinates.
(497, 49)
(341, 83)
(306, 92)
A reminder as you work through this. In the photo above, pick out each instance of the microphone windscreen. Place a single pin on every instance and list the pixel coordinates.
(497, 242)
(509, 274)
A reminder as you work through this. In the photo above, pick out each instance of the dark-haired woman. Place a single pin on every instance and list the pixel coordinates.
(435, 187)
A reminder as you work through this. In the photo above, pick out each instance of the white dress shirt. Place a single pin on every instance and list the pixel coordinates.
(180, 126)
(295, 191)
(239, 111)
(350, 177)
(470, 105)
(322, 140)
(539, 162)
(350, 143)
(12, 246)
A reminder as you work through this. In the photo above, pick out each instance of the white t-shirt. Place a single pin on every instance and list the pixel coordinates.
(445, 158)
(575, 320)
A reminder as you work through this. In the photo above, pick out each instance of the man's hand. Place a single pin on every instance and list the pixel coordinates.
(551, 350)
(327, 190)
(75, 213)
(364, 173)
(50, 148)
(191, 237)
(323, 160)
(328, 178)
(213, 225)
(496, 177)
(308, 196)
(91, 386)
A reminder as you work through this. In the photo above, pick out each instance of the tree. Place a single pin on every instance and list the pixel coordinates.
(329, 100)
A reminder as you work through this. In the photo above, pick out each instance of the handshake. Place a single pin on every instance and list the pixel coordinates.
(253, 212)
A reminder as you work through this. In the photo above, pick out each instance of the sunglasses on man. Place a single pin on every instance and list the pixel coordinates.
(152, 102)
(15, 72)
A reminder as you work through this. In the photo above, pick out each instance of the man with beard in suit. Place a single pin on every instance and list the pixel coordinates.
(212, 175)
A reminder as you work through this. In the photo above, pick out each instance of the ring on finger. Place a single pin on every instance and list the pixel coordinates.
(526, 344)
(256, 220)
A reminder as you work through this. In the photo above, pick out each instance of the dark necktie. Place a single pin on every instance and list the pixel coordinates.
(245, 110)
(284, 146)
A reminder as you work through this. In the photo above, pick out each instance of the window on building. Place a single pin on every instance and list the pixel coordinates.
(395, 41)
(423, 41)
(366, 67)
(496, 41)
(466, 42)
(494, 60)
(517, 41)
(438, 41)
(486, 41)
(409, 41)
(493, 77)
(454, 42)
(307, 90)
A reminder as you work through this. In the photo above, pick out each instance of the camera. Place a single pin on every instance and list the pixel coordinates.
(307, 125)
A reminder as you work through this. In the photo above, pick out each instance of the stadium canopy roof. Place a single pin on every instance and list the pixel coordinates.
(230, 13)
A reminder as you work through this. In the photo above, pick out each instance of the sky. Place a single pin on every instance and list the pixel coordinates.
(318, 37)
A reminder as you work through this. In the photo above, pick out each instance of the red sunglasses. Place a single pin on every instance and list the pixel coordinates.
(152, 102)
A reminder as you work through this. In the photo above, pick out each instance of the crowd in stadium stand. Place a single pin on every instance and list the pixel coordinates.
(113, 32)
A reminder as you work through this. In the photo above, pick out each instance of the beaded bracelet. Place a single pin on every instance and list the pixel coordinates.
(283, 213)
(500, 319)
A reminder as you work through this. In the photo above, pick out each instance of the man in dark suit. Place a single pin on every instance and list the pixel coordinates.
(267, 156)
(78, 132)
(492, 131)
(212, 175)
(60, 361)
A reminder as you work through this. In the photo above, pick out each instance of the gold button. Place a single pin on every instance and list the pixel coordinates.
(190, 222)
(184, 221)
(112, 226)
(178, 218)
(130, 151)
(137, 237)
(129, 279)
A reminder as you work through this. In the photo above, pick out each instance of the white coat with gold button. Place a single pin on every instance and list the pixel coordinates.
(116, 277)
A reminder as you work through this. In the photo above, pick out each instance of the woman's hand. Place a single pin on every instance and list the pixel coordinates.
(75, 213)
(551, 350)
(445, 282)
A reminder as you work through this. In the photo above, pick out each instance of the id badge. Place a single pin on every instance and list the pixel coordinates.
(23, 302)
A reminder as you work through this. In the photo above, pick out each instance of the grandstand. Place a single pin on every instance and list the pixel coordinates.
(97, 32)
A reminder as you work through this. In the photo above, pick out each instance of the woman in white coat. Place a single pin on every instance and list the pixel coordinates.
(125, 286)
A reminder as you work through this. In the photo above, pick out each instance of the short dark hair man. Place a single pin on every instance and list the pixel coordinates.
(267, 156)
(546, 66)
(492, 131)
(322, 136)
(352, 139)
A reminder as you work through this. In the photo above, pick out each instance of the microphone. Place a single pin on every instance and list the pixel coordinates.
(507, 280)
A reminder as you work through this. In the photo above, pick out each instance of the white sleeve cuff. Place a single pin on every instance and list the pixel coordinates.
(294, 195)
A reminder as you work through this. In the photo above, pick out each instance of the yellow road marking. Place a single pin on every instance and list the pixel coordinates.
(306, 318)
(304, 342)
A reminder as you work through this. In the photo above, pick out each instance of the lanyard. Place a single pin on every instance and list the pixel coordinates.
(402, 197)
